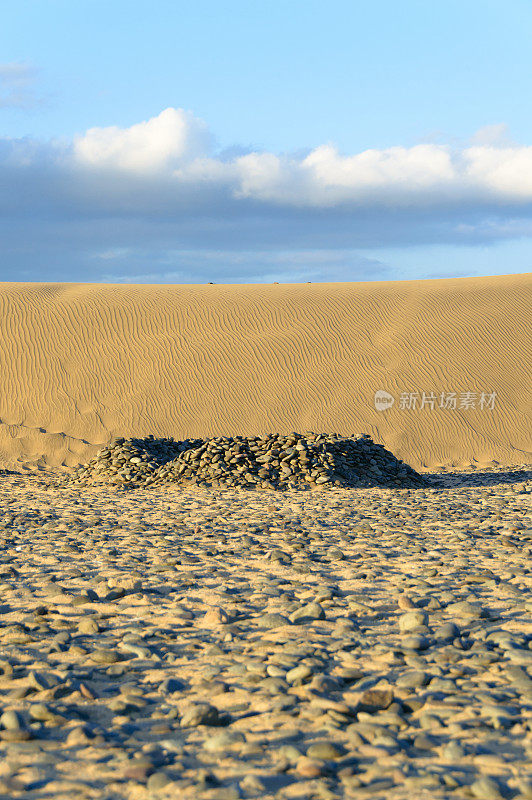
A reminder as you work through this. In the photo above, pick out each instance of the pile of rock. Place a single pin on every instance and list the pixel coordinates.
(293, 461)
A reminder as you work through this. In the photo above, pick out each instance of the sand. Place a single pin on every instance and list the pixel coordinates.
(83, 363)
(217, 645)
(224, 644)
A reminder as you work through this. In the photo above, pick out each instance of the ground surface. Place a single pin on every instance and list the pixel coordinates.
(84, 363)
(231, 644)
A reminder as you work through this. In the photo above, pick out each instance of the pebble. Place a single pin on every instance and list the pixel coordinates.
(6, 668)
(465, 610)
(415, 642)
(274, 461)
(357, 696)
(298, 674)
(376, 699)
(270, 621)
(405, 602)
(223, 740)
(486, 788)
(324, 750)
(171, 686)
(200, 714)
(158, 781)
(423, 742)
(105, 656)
(11, 721)
(453, 751)
(309, 768)
(216, 616)
(411, 680)
(412, 620)
(88, 626)
(446, 632)
(309, 612)
(42, 713)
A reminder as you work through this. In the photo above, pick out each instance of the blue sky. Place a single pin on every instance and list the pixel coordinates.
(291, 141)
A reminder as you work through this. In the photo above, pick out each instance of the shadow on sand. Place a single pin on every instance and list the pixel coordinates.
(472, 479)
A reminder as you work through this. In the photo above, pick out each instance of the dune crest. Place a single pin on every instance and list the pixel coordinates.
(84, 363)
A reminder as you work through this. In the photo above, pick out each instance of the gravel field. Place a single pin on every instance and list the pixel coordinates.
(224, 643)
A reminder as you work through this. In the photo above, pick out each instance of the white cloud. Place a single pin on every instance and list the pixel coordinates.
(129, 199)
(506, 172)
(176, 146)
(157, 144)
(417, 175)
(409, 169)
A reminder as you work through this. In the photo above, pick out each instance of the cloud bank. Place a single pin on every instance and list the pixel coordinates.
(177, 147)
(162, 187)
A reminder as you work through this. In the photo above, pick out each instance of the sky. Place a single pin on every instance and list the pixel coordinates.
(290, 141)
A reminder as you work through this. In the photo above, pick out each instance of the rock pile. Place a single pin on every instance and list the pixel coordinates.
(293, 461)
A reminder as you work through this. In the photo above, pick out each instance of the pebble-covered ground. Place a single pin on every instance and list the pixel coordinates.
(206, 643)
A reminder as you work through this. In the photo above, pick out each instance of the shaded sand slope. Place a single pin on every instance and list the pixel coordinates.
(82, 363)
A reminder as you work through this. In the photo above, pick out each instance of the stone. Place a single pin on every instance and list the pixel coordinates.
(525, 786)
(290, 752)
(375, 700)
(308, 613)
(412, 620)
(309, 768)
(298, 674)
(270, 621)
(324, 750)
(446, 632)
(216, 616)
(423, 742)
(11, 721)
(137, 650)
(405, 602)
(485, 788)
(253, 785)
(138, 770)
(324, 684)
(89, 626)
(411, 680)
(105, 656)
(6, 668)
(18, 735)
(42, 713)
(38, 681)
(171, 686)
(274, 685)
(205, 778)
(79, 736)
(465, 610)
(223, 740)
(158, 781)
(415, 642)
(200, 714)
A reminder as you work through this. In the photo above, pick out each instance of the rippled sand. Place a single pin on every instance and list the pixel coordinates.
(83, 363)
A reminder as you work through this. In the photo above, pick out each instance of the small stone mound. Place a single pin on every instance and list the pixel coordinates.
(293, 461)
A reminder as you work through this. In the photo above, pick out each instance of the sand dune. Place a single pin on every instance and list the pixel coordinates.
(82, 363)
